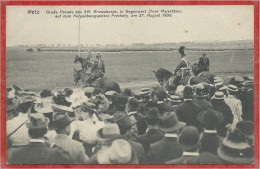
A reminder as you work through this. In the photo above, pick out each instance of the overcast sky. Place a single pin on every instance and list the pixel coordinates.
(195, 23)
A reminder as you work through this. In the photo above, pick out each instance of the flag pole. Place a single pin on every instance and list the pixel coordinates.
(79, 39)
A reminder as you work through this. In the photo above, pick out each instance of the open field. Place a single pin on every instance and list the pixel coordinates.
(37, 71)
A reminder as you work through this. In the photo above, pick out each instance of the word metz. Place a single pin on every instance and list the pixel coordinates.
(33, 12)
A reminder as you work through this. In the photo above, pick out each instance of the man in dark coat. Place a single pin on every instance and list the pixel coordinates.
(38, 151)
(153, 134)
(203, 63)
(210, 139)
(218, 104)
(189, 110)
(167, 148)
(189, 140)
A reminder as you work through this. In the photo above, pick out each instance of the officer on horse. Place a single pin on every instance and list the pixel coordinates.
(98, 69)
(182, 68)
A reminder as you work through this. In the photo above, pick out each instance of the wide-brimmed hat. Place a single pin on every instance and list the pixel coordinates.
(189, 138)
(145, 89)
(111, 93)
(123, 121)
(219, 84)
(61, 120)
(232, 88)
(37, 121)
(246, 127)
(187, 92)
(218, 96)
(236, 149)
(170, 122)
(88, 107)
(46, 93)
(109, 132)
(210, 118)
(120, 152)
(12, 104)
(239, 79)
(27, 99)
(43, 105)
(62, 109)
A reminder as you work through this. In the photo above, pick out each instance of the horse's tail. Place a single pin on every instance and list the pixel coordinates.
(117, 87)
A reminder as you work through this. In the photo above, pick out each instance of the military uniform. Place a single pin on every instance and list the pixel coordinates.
(184, 63)
(203, 64)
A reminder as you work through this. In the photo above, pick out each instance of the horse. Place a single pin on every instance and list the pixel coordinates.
(206, 74)
(104, 83)
(29, 50)
(85, 63)
(164, 75)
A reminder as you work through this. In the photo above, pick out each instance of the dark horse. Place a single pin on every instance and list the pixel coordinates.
(85, 63)
(164, 75)
(29, 50)
(206, 74)
(104, 83)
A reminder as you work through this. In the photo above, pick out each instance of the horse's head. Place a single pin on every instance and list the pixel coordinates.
(76, 59)
(162, 75)
(76, 77)
(195, 68)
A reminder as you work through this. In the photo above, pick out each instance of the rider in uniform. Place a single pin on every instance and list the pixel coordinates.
(98, 69)
(183, 66)
(203, 63)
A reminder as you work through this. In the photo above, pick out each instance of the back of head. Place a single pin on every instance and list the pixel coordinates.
(188, 92)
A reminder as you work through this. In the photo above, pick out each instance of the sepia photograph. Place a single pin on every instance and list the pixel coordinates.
(130, 84)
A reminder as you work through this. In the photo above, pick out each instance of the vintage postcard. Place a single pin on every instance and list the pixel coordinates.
(130, 84)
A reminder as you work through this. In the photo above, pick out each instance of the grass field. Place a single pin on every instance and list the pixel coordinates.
(37, 71)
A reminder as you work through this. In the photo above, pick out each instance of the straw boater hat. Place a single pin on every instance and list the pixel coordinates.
(37, 121)
(218, 96)
(120, 152)
(189, 138)
(43, 105)
(145, 89)
(236, 149)
(88, 89)
(174, 99)
(170, 122)
(232, 88)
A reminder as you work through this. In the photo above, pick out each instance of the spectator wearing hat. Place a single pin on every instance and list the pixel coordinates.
(90, 121)
(120, 152)
(160, 96)
(153, 134)
(219, 104)
(76, 150)
(125, 125)
(38, 151)
(188, 110)
(132, 109)
(167, 148)
(201, 96)
(203, 62)
(210, 140)
(235, 149)
(234, 104)
(128, 92)
(174, 101)
(106, 136)
(17, 132)
(189, 140)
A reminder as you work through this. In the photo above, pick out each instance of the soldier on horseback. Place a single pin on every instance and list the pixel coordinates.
(182, 68)
(98, 69)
